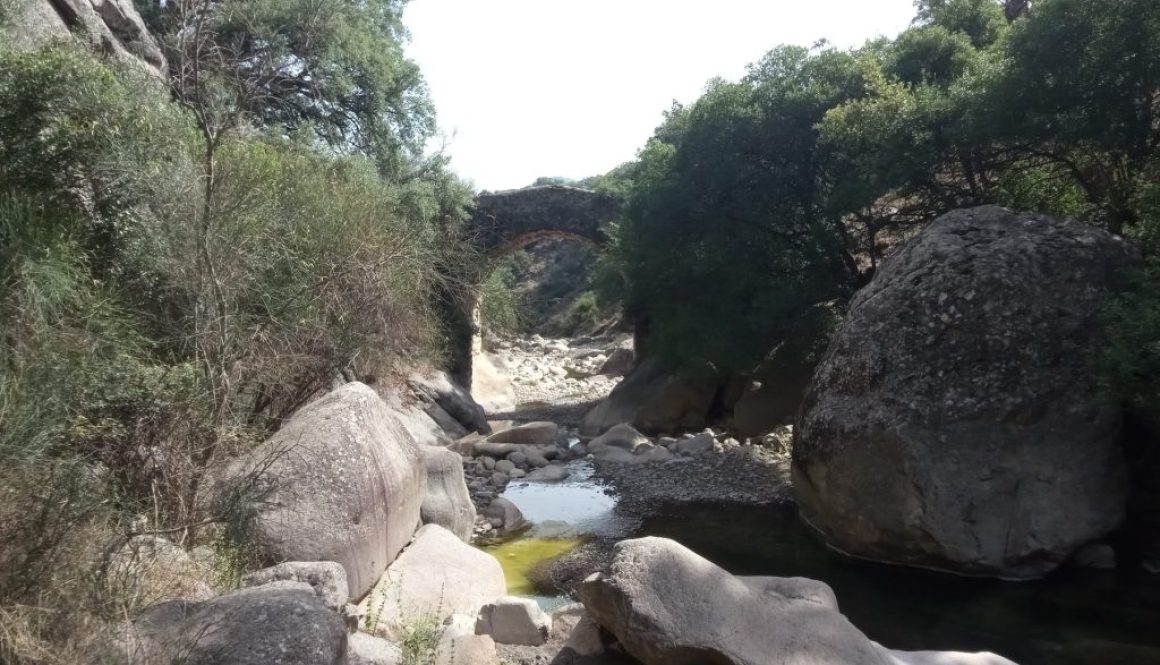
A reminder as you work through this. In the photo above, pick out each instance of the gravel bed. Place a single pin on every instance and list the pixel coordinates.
(741, 474)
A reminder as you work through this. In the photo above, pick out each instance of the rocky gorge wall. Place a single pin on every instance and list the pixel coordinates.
(112, 27)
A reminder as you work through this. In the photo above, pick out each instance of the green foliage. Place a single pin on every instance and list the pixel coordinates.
(785, 189)
(730, 215)
(931, 55)
(334, 68)
(420, 639)
(503, 308)
(1080, 90)
(554, 180)
(171, 288)
(981, 21)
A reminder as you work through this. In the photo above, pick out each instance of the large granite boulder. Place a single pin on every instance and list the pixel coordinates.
(955, 421)
(535, 433)
(656, 400)
(438, 575)
(668, 606)
(283, 622)
(363, 649)
(514, 620)
(341, 481)
(447, 501)
(107, 26)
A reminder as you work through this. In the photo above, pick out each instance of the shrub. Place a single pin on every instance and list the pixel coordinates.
(153, 326)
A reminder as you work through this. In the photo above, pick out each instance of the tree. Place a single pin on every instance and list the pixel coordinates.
(982, 21)
(1090, 110)
(729, 216)
(334, 67)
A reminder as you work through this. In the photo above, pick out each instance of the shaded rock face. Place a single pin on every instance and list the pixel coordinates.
(775, 391)
(653, 399)
(438, 389)
(284, 622)
(447, 501)
(619, 362)
(668, 606)
(345, 482)
(954, 422)
(109, 26)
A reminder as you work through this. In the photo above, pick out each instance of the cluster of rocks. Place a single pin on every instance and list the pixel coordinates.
(560, 372)
(301, 613)
(533, 451)
(336, 497)
(644, 471)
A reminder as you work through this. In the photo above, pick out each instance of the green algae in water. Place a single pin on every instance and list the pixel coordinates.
(519, 557)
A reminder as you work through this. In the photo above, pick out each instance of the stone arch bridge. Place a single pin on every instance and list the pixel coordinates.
(505, 222)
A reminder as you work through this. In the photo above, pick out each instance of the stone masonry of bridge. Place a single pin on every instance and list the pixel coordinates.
(506, 221)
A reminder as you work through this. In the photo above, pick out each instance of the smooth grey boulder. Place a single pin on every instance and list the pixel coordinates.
(341, 481)
(447, 501)
(437, 575)
(283, 622)
(363, 649)
(512, 620)
(580, 632)
(537, 433)
(509, 516)
(327, 578)
(668, 606)
(623, 436)
(955, 421)
(459, 645)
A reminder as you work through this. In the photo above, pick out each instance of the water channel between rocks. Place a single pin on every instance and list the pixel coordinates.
(1078, 617)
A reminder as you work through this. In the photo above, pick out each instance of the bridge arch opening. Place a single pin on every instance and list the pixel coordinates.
(506, 222)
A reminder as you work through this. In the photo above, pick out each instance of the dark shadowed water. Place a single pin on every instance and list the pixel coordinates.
(1077, 617)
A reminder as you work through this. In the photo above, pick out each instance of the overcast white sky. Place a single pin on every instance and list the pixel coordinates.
(529, 88)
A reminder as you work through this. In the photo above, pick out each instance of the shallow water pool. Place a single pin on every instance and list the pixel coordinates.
(1077, 617)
